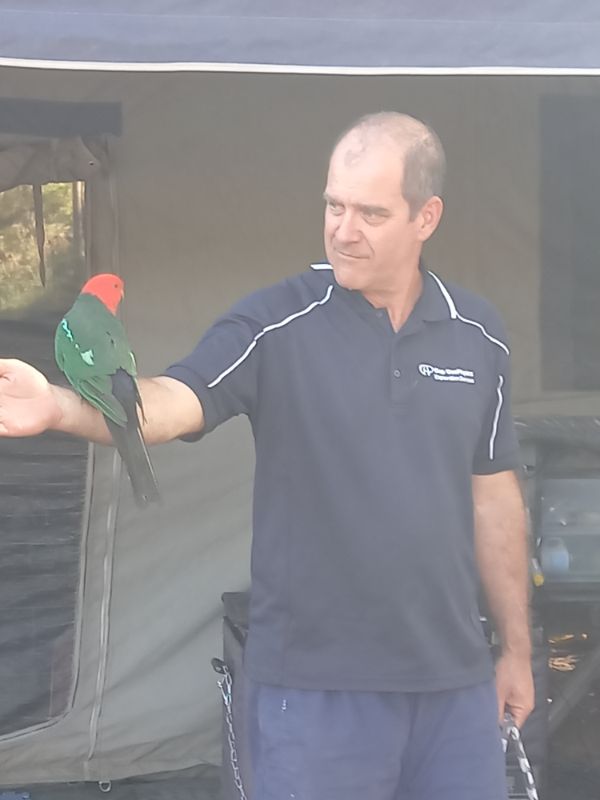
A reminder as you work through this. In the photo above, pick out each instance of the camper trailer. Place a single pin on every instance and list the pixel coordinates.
(184, 146)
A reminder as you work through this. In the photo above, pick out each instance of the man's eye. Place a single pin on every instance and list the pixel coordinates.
(334, 207)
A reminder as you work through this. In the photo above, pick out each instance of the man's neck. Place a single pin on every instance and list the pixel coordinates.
(399, 301)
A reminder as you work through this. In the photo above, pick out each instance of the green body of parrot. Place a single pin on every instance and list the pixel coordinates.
(92, 350)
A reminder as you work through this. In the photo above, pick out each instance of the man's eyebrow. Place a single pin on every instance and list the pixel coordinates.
(374, 209)
(379, 210)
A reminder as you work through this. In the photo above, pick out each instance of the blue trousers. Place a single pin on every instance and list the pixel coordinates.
(338, 745)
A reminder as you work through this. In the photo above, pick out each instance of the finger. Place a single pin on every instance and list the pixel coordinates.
(519, 720)
(520, 716)
(520, 710)
(4, 429)
(501, 696)
(7, 364)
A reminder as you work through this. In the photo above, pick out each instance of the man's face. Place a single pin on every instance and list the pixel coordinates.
(369, 236)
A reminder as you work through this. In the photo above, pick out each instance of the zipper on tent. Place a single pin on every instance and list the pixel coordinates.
(83, 572)
(111, 525)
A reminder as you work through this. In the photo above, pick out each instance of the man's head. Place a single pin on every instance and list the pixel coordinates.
(382, 199)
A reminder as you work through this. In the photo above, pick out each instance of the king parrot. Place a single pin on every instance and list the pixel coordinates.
(92, 350)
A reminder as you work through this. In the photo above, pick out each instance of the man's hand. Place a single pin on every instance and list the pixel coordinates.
(28, 404)
(514, 686)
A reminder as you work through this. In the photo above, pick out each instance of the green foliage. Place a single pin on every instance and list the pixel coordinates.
(21, 290)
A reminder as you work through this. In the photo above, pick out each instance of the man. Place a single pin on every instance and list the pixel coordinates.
(385, 456)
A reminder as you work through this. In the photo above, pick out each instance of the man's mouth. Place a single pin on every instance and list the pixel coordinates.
(354, 256)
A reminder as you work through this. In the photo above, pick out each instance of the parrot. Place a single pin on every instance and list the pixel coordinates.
(91, 349)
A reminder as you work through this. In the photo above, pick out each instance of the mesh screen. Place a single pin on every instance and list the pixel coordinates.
(42, 479)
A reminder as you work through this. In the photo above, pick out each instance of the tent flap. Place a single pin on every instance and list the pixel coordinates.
(51, 161)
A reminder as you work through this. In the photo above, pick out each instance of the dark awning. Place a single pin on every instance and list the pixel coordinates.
(303, 35)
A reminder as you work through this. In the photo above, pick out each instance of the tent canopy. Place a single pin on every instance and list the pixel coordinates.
(303, 35)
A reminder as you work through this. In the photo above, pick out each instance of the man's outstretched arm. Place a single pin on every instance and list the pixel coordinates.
(29, 405)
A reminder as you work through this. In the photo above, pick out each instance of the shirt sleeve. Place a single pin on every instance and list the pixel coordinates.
(222, 370)
(498, 445)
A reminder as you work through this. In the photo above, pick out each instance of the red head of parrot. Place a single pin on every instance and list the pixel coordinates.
(108, 288)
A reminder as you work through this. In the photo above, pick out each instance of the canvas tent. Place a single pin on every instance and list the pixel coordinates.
(208, 128)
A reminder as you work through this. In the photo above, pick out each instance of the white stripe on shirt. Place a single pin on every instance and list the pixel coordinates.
(268, 328)
(496, 416)
(454, 314)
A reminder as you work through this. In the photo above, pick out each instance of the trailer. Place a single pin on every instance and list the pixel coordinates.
(183, 145)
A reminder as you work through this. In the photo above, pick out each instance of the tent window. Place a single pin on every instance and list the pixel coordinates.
(40, 232)
(42, 479)
(570, 287)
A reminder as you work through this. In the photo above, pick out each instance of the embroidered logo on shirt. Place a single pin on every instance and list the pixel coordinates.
(454, 375)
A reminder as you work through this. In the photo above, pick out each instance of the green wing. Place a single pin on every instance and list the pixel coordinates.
(90, 345)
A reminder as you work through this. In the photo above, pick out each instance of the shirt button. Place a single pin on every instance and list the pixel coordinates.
(397, 373)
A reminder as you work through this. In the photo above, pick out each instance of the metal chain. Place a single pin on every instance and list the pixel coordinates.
(225, 685)
(510, 732)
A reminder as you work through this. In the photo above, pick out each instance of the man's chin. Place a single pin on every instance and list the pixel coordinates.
(347, 277)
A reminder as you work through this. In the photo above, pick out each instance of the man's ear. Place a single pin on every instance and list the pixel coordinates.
(429, 217)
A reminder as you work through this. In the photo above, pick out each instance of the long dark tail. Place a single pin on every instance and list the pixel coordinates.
(130, 442)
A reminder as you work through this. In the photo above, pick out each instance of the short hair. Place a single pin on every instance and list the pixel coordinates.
(420, 149)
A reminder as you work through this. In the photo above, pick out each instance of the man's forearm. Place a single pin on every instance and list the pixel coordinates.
(501, 547)
(78, 417)
(170, 410)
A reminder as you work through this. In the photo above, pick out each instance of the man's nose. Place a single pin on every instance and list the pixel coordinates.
(348, 229)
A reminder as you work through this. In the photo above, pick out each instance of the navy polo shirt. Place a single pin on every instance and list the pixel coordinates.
(363, 567)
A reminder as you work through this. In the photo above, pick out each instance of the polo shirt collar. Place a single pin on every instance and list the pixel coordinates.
(431, 305)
